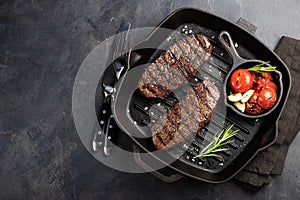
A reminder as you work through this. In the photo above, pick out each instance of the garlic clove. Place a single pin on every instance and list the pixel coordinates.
(240, 106)
(235, 97)
(247, 95)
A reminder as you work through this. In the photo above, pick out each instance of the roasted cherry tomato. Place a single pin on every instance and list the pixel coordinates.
(267, 98)
(266, 75)
(255, 76)
(271, 85)
(264, 83)
(254, 97)
(253, 108)
(241, 80)
(260, 83)
(258, 76)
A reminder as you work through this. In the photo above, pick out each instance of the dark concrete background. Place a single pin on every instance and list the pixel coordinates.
(42, 45)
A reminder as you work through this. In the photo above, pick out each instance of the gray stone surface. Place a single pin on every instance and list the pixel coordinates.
(43, 43)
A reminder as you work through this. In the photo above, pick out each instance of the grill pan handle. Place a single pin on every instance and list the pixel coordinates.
(229, 46)
(167, 179)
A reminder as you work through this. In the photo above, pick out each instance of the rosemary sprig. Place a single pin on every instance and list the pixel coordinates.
(262, 67)
(218, 143)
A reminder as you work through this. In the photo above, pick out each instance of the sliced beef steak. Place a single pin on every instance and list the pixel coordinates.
(175, 66)
(182, 121)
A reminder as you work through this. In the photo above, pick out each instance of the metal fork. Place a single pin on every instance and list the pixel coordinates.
(120, 44)
(108, 91)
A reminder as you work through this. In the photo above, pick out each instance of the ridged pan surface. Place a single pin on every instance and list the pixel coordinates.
(133, 112)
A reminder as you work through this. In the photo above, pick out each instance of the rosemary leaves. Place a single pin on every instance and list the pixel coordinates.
(218, 143)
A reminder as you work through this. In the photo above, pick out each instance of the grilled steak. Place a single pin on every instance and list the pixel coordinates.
(175, 66)
(187, 117)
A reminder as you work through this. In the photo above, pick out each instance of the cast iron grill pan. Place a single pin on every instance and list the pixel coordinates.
(144, 110)
(246, 143)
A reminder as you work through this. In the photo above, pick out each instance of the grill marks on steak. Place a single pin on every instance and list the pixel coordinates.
(187, 117)
(175, 66)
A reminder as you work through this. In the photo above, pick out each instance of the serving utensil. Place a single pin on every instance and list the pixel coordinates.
(98, 137)
(109, 90)
(120, 45)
